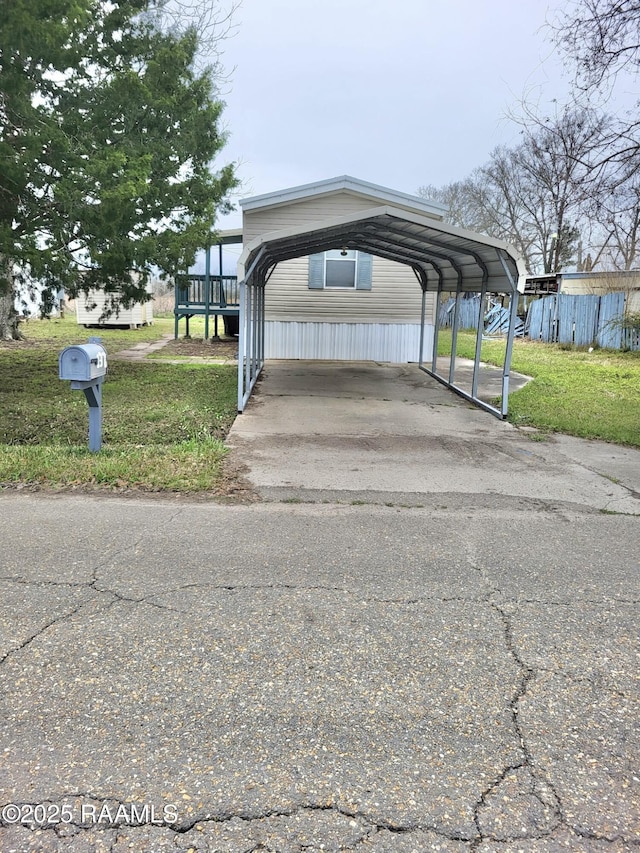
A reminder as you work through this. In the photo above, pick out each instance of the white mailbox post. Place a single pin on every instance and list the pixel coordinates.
(85, 365)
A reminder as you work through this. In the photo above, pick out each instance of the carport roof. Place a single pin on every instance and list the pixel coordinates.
(443, 257)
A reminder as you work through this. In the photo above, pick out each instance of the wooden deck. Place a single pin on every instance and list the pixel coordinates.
(207, 296)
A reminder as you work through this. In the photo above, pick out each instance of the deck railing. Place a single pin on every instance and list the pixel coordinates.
(200, 291)
(207, 296)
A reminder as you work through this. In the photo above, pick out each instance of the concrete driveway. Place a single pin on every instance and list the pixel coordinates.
(384, 433)
(456, 671)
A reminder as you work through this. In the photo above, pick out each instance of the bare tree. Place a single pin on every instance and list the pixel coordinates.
(621, 224)
(215, 23)
(569, 191)
(540, 195)
(560, 190)
(458, 199)
(602, 38)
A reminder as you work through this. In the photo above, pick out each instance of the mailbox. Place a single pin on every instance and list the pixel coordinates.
(86, 366)
(83, 363)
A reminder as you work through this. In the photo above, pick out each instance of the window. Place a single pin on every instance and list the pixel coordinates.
(341, 269)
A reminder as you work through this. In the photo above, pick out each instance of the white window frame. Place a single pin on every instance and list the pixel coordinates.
(317, 272)
(338, 257)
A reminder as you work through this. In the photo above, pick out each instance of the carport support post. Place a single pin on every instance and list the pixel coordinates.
(207, 291)
(261, 328)
(242, 337)
(479, 334)
(255, 313)
(436, 328)
(220, 293)
(422, 314)
(248, 341)
(247, 337)
(454, 332)
(513, 315)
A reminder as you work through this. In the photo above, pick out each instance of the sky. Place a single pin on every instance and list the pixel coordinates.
(400, 93)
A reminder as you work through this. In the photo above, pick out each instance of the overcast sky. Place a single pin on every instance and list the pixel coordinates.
(396, 92)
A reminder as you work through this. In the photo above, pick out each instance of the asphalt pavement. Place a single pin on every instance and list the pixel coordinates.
(326, 668)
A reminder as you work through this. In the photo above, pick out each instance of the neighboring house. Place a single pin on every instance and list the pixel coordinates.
(589, 284)
(28, 301)
(600, 283)
(308, 300)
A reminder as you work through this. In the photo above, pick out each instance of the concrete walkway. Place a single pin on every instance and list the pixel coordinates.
(455, 671)
(140, 351)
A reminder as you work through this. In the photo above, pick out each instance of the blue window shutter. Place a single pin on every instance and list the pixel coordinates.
(365, 267)
(316, 271)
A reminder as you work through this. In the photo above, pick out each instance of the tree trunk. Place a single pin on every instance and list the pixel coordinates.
(9, 319)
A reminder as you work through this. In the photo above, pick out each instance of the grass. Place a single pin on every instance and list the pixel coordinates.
(587, 394)
(163, 424)
(61, 333)
(189, 466)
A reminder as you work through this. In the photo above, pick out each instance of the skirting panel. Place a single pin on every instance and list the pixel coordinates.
(394, 342)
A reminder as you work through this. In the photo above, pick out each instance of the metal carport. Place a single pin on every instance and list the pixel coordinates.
(444, 259)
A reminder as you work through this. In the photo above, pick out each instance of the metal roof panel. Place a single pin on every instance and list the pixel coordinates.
(401, 236)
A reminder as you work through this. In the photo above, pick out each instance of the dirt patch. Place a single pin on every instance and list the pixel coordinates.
(26, 344)
(226, 348)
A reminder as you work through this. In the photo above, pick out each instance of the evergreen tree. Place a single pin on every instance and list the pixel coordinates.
(108, 137)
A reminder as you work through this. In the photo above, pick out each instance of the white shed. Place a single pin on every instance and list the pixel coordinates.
(90, 310)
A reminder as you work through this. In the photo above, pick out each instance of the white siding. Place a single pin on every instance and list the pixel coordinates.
(397, 343)
(255, 223)
(600, 286)
(395, 295)
(597, 287)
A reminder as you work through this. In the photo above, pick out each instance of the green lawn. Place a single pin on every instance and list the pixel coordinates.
(588, 394)
(60, 333)
(164, 424)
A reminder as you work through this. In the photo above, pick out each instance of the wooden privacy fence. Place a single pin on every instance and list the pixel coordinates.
(583, 320)
(562, 318)
(468, 312)
(496, 320)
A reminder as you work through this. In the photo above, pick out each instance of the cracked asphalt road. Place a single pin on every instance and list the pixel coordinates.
(306, 677)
